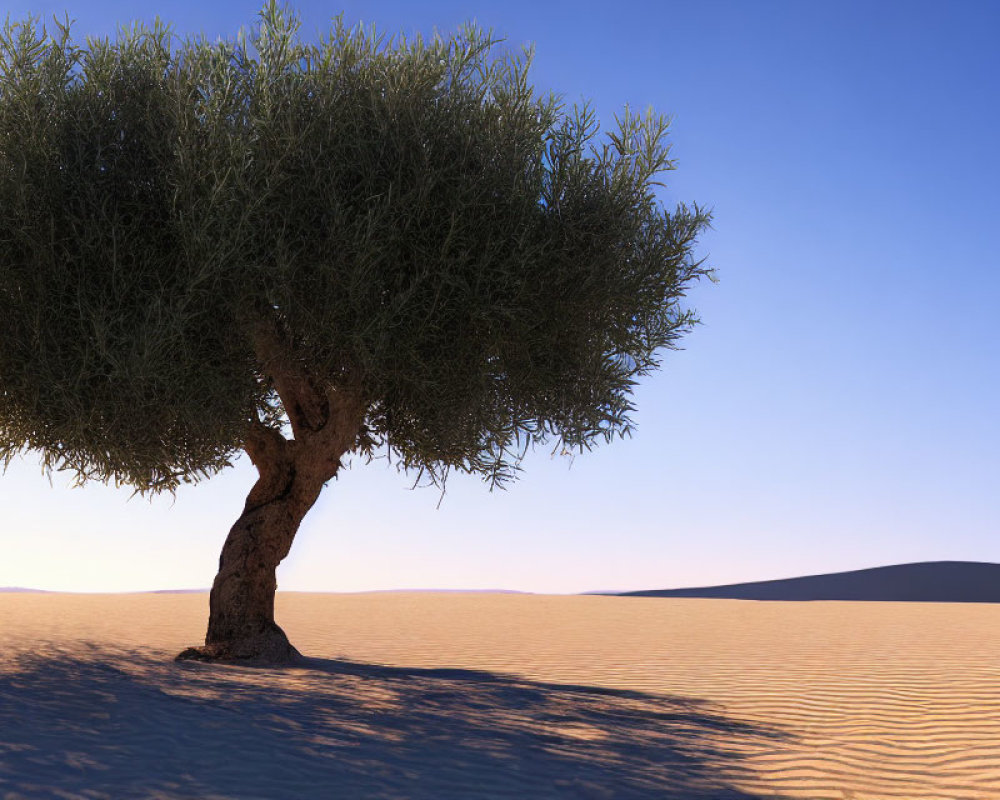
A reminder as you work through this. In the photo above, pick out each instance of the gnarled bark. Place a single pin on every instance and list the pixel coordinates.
(292, 472)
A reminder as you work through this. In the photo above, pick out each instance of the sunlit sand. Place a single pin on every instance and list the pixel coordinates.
(425, 695)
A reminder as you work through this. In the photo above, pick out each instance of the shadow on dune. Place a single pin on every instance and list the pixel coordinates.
(127, 725)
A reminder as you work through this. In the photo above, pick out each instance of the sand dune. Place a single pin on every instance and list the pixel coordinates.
(496, 696)
(926, 582)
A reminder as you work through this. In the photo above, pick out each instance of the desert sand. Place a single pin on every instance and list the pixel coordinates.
(433, 695)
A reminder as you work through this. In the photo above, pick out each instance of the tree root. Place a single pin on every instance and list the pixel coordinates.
(264, 650)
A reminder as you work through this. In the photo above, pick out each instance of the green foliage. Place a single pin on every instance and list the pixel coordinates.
(422, 223)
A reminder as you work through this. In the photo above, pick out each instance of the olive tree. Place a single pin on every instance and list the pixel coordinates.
(306, 251)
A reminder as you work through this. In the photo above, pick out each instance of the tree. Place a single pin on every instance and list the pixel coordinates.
(307, 251)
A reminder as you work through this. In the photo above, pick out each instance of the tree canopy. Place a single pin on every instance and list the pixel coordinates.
(483, 266)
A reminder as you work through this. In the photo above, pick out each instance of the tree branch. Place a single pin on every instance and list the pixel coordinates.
(272, 455)
(307, 407)
(326, 422)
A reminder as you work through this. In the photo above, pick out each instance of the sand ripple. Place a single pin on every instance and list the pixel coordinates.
(465, 695)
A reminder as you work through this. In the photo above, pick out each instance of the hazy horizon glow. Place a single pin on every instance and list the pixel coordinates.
(835, 411)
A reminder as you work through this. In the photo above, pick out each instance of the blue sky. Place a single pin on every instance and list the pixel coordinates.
(836, 410)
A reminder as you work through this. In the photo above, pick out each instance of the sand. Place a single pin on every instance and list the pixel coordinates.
(428, 695)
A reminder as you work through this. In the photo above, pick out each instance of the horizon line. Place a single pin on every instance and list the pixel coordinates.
(604, 592)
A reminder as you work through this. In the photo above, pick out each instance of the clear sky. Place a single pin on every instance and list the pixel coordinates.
(838, 408)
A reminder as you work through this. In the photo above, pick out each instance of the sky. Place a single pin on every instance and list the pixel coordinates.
(836, 409)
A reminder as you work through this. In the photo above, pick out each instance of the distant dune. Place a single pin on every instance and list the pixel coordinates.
(926, 582)
(21, 589)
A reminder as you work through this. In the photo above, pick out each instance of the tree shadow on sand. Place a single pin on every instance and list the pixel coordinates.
(120, 724)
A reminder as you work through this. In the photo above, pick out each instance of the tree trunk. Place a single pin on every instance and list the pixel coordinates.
(241, 624)
(326, 424)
